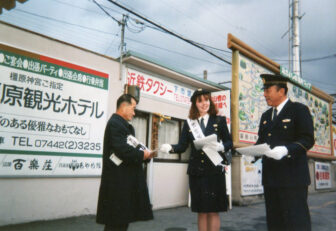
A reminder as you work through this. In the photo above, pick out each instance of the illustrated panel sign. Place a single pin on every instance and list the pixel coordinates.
(322, 175)
(52, 116)
(160, 88)
(320, 112)
(251, 101)
(334, 139)
(252, 104)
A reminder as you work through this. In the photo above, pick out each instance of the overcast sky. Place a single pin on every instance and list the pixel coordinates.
(259, 23)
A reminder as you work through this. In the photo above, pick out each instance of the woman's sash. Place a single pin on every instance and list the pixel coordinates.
(207, 143)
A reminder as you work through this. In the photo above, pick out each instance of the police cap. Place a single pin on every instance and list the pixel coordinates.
(198, 92)
(272, 79)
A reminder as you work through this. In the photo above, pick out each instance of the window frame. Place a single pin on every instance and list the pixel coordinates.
(179, 160)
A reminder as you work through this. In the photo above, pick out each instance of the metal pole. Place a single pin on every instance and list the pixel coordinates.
(123, 23)
(296, 38)
(289, 35)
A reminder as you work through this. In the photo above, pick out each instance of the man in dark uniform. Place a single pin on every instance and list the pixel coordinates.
(288, 129)
(123, 194)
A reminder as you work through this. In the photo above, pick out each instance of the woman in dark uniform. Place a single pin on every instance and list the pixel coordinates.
(206, 181)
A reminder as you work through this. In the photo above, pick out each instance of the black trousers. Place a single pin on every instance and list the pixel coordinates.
(287, 208)
(116, 227)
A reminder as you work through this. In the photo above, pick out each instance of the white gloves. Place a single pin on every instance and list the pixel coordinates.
(277, 152)
(165, 148)
(220, 147)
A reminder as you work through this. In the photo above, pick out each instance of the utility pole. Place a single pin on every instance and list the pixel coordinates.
(296, 37)
(122, 44)
(205, 74)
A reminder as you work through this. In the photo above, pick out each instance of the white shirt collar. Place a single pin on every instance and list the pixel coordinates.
(205, 117)
(281, 105)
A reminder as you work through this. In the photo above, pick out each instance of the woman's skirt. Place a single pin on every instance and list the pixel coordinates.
(208, 193)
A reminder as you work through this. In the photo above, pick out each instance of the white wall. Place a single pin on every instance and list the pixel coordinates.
(24, 200)
(30, 199)
(170, 185)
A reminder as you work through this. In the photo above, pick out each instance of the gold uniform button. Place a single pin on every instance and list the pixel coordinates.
(202, 161)
(202, 153)
(269, 134)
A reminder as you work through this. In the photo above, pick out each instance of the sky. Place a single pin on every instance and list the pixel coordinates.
(262, 24)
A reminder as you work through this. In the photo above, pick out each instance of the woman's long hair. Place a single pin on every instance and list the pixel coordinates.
(194, 113)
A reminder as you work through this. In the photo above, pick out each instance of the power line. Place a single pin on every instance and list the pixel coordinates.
(82, 8)
(107, 13)
(64, 22)
(80, 37)
(242, 29)
(197, 23)
(320, 58)
(171, 51)
(169, 32)
(114, 34)
(101, 7)
(311, 59)
(142, 28)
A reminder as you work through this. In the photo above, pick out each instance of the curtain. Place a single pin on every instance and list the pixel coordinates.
(140, 127)
(168, 134)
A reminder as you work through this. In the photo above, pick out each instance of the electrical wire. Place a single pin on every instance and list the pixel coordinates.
(61, 21)
(242, 29)
(309, 60)
(107, 13)
(171, 51)
(170, 32)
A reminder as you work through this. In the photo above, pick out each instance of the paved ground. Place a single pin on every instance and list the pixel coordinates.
(248, 218)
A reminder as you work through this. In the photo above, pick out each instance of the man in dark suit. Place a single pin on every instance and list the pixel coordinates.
(288, 129)
(123, 194)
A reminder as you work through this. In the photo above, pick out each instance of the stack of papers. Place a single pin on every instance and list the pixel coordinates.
(254, 150)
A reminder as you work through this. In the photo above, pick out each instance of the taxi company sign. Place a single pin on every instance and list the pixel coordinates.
(322, 175)
(157, 87)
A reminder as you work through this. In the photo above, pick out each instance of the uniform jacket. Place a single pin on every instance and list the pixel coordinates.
(292, 128)
(123, 194)
(199, 163)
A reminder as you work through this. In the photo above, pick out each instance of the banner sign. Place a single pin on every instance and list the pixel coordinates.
(222, 101)
(150, 85)
(322, 175)
(295, 78)
(52, 116)
(251, 175)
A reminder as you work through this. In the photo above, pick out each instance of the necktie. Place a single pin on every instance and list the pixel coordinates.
(275, 113)
(202, 125)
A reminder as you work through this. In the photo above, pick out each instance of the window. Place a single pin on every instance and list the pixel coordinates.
(140, 124)
(169, 133)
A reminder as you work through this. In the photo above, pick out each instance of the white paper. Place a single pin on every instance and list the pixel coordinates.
(199, 143)
(131, 140)
(211, 152)
(115, 159)
(254, 150)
